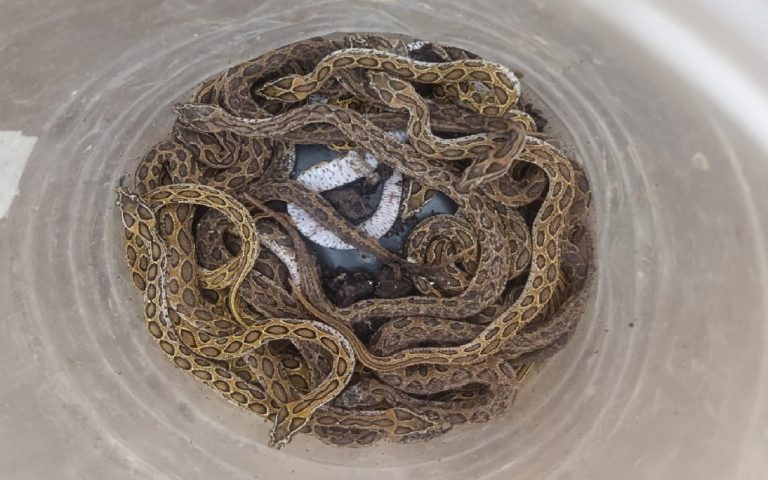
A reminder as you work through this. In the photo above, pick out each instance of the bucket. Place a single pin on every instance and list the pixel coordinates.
(666, 107)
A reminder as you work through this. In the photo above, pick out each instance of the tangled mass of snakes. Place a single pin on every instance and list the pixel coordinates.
(220, 236)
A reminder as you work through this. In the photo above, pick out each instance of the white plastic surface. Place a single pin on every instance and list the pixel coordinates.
(666, 105)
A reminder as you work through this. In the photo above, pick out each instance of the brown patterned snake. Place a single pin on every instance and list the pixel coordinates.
(234, 294)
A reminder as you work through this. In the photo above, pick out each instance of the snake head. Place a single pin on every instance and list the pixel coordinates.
(136, 214)
(197, 116)
(128, 203)
(285, 427)
(386, 86)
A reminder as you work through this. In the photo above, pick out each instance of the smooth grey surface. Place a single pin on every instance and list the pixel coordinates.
(680, 204)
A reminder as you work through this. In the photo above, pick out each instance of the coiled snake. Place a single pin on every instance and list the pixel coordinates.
(233, 294)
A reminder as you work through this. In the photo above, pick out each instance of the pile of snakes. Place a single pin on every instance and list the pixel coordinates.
(218, 230)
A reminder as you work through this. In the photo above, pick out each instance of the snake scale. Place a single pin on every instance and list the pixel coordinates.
(234, 295)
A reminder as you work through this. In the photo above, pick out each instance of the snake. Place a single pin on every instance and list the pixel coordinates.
(234, 295)
(139, 220)
(193, 351)
(550, 222)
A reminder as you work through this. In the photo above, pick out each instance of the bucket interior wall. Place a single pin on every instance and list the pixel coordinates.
(665, 376)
